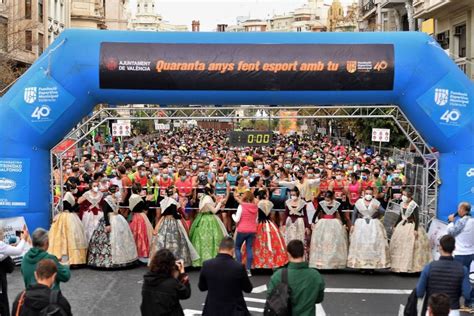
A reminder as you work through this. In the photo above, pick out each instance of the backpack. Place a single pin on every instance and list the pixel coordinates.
(411, 306)
(53, 309)
(279, 301)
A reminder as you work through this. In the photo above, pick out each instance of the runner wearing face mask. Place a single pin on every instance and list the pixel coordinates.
(222, 193)
(140, 176)
(395, 185)
(338, 185)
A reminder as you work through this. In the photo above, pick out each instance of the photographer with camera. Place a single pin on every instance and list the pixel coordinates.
(7, 265)
(164, 286)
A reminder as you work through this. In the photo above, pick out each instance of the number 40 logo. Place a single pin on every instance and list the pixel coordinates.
(451, 116)
(41, 112)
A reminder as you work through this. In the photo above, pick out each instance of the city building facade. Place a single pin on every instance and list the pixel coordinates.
(451, 23)
(117, 14)
(28, 27)
(88, 14)
(386, 16)
(147, 18)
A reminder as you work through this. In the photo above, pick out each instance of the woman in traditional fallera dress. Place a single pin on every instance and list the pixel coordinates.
(90, 206)
(67, 236)
(112, 244)
(368, 240)
(269, 248)
(140, 225)
(207, 229)
(409, 246)
(328, 248)
(170, 232)
(296, 225)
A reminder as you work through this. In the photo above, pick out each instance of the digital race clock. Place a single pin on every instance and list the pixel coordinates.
(250, 138)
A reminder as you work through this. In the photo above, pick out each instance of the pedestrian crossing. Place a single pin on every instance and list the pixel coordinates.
(255, 307)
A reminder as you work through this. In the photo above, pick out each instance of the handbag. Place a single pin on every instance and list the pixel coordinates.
(7, 265)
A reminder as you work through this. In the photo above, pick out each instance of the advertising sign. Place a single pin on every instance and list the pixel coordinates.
(381, 135)
(42, 102)
(161, 126)
(466, 183)
(64, 145)
(449, 105)
(14, 183)
(268, 67)
(121, 129)
(10, 226)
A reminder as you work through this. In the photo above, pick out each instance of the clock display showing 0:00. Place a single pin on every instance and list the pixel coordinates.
(250, 138)
(258, 139)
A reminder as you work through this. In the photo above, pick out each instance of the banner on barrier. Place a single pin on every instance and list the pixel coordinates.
(271, 67)
(14, 182)
(437, 230)
(10, 226)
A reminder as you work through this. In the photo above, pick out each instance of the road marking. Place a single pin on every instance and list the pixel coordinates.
(254, 309)
(263, 288)
(367, 291)
(191, 312)
(320, 310)
(255, 300)
(260, 289)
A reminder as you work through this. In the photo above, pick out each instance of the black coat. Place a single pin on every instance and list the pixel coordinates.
(224, 279)
(161, 294)
(36, 298)
(4, 306)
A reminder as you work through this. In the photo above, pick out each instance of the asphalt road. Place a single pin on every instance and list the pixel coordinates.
(93, 292)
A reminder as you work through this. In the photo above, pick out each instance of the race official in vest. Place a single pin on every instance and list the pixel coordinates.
(462, 230)
(445, 276)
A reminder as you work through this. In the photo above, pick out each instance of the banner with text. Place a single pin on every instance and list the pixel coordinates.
(246, 66)
(14, 183)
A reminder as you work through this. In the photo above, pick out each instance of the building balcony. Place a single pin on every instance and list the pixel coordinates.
(367, 10)
(426, 9)
(462, 64)
(368, 6)
(391, 4)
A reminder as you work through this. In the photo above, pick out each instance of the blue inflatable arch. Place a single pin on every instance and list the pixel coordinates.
(83, 68)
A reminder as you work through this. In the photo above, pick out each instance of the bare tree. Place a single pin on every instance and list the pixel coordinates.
(13, 44)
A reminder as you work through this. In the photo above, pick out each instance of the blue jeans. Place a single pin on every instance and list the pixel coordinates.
(248, 238)
(466, 261)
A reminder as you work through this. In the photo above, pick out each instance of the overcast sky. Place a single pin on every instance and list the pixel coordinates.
(213, 12)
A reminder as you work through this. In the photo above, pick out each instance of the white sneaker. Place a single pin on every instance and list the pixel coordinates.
(249, 274)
